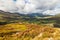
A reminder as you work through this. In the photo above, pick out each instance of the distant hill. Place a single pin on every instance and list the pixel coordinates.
(17, 17)
(7, 17)
(37, 14)
(18, 14)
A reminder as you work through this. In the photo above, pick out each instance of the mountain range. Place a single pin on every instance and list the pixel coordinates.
(7, 17)
(18, 14)
(13, 17)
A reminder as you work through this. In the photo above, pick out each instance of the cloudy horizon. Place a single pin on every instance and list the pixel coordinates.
(49, 7)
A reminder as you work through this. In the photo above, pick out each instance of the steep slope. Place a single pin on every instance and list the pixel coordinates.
(7, 17)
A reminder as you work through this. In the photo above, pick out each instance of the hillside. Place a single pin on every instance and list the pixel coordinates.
(15, 26)
(18, 31)
(6, 17)
(36, 18)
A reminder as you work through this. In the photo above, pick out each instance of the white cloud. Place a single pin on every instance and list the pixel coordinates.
(31, 6)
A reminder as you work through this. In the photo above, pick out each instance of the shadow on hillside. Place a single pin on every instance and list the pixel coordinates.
(57, 25)
(3, 23)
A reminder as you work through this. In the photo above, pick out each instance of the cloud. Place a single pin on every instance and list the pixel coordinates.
(31, 6)
(7, 5)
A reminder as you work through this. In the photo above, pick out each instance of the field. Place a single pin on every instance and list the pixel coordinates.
(19, 31)
(22, 27)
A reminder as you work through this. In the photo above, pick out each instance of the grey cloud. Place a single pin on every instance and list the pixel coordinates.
(31, 6)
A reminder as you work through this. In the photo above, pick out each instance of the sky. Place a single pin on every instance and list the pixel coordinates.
(47, 7)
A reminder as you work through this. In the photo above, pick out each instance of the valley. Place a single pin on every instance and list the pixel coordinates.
(15, 26)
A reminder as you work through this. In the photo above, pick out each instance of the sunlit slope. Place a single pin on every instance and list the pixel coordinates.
(19, 31)
(12, 27)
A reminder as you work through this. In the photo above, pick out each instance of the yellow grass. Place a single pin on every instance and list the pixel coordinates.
(18, 31)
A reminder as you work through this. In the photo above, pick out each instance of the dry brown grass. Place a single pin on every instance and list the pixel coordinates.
(18, 31)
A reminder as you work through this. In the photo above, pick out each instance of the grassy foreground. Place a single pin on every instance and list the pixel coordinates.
(19, 31)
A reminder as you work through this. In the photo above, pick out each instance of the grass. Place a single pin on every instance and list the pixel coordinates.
(12, 27)
(19, 31)
(28, 28)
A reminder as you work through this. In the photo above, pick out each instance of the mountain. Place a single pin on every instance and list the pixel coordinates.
(7, 17)
(8, 14)
(37, 14)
